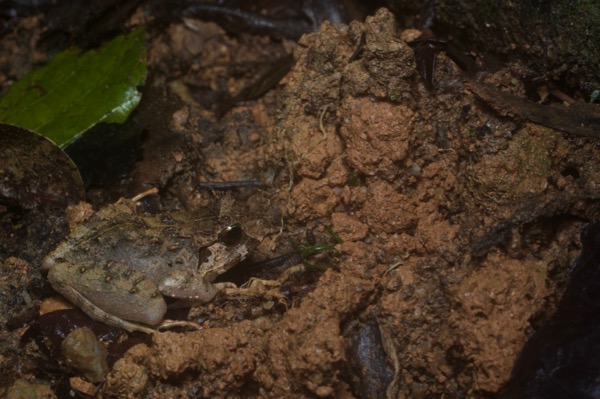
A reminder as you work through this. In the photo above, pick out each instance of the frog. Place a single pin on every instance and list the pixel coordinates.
(119, 264)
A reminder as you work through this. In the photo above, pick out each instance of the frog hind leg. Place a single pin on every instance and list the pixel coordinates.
(100, 315)
(111, 293)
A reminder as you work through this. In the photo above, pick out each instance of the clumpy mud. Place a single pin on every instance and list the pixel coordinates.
(458, 224)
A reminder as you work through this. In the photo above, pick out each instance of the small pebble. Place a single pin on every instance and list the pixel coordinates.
(83, 352)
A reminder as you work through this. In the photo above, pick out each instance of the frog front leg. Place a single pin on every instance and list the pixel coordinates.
(190, 288)
(111, 293)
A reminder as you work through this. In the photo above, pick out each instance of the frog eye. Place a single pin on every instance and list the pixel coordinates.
(231, 235)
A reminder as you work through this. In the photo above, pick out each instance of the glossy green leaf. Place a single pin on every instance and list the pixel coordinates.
(75, 90)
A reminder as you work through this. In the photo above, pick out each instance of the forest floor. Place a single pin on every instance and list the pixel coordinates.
(457, 225)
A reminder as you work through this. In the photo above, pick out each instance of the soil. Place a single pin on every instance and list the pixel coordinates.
(457, 225)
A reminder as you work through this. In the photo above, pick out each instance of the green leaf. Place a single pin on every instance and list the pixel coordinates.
(75, 90)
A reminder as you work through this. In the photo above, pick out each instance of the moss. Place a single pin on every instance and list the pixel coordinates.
(556, 38)
(523, 168)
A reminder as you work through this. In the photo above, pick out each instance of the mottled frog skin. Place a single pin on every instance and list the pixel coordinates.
(117, 265)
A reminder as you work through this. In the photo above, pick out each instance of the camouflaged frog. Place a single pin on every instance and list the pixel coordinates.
(117, 265)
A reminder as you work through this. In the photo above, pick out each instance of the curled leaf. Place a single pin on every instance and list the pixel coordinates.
(34, 171)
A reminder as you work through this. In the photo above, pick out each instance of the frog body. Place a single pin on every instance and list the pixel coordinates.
(117, 265)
